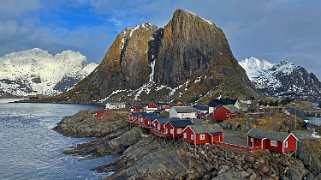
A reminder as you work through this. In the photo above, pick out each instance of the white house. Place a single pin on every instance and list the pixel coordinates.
(183, 112)
(115, 105)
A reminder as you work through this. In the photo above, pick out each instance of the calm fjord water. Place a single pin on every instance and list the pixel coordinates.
(30, 149)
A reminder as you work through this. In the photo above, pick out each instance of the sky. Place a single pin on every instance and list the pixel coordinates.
(274, 30)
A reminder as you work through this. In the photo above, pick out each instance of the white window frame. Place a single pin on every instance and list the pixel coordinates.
(166, 130)
(274, 143)
(158, 126)
(202, 136)
(286, 144)
(192, 136)
(171, 131)
(185, 135)
(179, 131)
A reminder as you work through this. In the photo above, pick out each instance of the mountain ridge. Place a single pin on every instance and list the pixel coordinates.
(35, 71)
(281, 78)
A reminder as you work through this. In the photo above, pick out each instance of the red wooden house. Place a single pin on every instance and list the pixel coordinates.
(136, 109)
(163, 106)
(158, 126)
(148, 120)
(100, 114)
(281, 142)
(174, 128)
(225, 112)
(203, 134)
(151, 107)
(135, 117)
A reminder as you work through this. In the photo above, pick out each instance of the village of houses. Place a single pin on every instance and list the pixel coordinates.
(200, 124)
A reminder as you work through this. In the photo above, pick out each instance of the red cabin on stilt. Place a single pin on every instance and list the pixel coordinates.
(175, 128)
(203, 134)
(281, 142)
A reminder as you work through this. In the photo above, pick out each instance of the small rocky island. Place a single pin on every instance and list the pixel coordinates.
(141, 155)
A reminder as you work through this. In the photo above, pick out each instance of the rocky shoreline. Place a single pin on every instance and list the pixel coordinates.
(143, 156)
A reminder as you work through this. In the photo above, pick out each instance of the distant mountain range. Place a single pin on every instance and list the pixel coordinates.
(36, 71)
(283, 78)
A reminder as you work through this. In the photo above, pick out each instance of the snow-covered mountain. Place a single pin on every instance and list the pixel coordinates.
(36, 71)
(281, 78)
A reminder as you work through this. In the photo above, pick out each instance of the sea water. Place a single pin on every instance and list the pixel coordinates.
(30, 149)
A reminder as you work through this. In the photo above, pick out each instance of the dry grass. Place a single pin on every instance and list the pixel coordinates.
(275, 122)
(115, 114)
(301, 105)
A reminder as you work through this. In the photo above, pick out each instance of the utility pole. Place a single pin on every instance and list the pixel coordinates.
(295, 120)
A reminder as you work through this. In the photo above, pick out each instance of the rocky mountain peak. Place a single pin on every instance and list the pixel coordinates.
(190, 44)
(147, 62)
(281, 78)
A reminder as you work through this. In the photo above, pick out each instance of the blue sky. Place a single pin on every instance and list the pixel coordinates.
(274, 30)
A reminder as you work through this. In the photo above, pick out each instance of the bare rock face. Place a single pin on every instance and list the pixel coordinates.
(125, 66)
(194, 47)
(189, 44)
(188, 49)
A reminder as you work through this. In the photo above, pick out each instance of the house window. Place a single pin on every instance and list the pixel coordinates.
(252, 140)
(192, 137)
(185, 135)
(179, 131)
(202, 136)
(158, 127)
(166, 131)
(172, 131)
(274, 143)
(148, 122)
(286, 144)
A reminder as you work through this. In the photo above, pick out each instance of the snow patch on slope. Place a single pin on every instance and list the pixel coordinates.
(264, 74)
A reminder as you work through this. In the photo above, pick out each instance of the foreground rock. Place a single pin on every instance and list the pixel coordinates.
(309, 152)
(143, 156)
(151, 159)
(84, 124)
(110, 145)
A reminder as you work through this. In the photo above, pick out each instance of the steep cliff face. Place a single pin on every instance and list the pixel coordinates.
(189, 44)
(188, 60)
(126, 65)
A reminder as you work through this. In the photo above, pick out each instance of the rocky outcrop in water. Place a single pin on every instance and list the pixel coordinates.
(85, 124)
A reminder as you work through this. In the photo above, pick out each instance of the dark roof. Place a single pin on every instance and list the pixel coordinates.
(180, 123)
(261, 134)
(158, 111)
(231, 108)
(163, 120)
(152, 116)
(201, 107)
(138, 107)
(184, 109)
(206, 128)
(161, 104)
(138, 113)
(218, 102)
